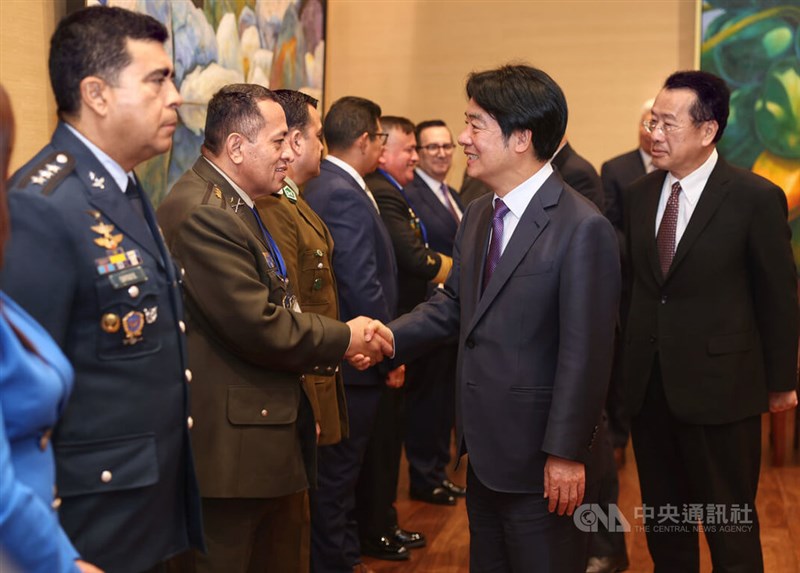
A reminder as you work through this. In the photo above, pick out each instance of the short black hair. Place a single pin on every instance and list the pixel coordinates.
(521, 97)
(295, 106)
(403, 124)
(234, 109)
(712, 101)
(93, 42)
(423, 125)
(347, 119)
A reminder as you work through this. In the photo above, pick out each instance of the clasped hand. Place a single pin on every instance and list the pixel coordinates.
(370, 341)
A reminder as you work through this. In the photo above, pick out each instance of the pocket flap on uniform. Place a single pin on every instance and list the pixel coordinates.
(729, 343)
(106, 465)
(263, 406)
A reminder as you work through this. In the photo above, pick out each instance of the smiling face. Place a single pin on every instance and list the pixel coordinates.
(264, 160)
(436, 163)
(142, 105)
(680, 146)
(400, 156)
(488, 153)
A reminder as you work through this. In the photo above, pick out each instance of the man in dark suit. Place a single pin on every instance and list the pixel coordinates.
(307, 248)
(430, 379)
(711, 338)
(366, 276)
(579, 174)
(87, 261)
(471, 189)
(532, 298)
(249, 342)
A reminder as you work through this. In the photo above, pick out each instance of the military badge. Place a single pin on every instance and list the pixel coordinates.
(238, 204)
(150, 314)
(118, 261)
(99, 182)
(289, 193)
(133, 324)
(110, 322)
(107, 241)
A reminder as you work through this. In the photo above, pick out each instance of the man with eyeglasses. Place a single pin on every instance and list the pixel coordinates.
(430, 379)
(366, 276)
(417, 266)
(711, 338)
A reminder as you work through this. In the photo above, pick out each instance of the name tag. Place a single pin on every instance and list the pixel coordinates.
(126, 278)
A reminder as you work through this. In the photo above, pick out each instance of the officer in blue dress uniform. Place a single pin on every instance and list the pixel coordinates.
(87, 260)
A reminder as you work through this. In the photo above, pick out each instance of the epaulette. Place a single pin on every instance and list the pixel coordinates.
(289, 193)
(48, 173)
(212, 189)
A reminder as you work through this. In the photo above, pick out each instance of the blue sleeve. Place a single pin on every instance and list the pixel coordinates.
(30, 535)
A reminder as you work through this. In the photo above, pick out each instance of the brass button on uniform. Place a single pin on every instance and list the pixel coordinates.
(188, 375)
(110, 323)
(264, 413)
(182, 326)
(133, 291)
(320, 265)
(189, 422)
(106, 476)
(318, 253)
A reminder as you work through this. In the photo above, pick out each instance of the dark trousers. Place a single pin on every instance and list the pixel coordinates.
(335, 546)
(715, 467)
(430, 414)
(376, 490)
(255, 535)
(514, 533)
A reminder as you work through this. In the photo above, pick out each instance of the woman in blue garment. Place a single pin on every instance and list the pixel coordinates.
(35, 382)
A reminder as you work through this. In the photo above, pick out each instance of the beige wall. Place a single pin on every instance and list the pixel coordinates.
(25, 30)
(412, 57)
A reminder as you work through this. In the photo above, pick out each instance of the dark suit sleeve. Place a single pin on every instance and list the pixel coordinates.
(588, 301)
(41, 270)
(350, 226)
(774, 278)
(413, 257)
(586, 182)
(223, 283)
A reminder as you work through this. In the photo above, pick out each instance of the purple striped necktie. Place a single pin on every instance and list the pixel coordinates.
(493, 256)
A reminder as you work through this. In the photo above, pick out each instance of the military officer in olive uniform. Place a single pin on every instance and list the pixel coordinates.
(307, 248)
(249, 342)
(87, 261)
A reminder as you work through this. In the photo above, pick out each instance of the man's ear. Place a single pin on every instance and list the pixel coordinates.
(233, 148)
(94, 94)
(363, 142)
(295, 138)
(710, 130)
(522, 140)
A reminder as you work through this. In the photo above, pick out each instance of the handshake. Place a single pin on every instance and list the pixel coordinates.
(370, 341)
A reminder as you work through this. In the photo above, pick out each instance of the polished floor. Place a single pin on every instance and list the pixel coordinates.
(778, 506)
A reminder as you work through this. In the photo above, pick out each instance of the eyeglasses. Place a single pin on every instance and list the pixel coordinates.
(383, 135)
(435, 147)
(665, 128)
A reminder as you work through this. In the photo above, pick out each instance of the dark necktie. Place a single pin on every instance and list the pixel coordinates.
(446, 195)
(132, 193)
(665, 239)
(493, 256)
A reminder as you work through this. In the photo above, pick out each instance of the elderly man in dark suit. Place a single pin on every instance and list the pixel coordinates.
(532, 298)
(366, 275)
(430, 379)
(307, 248)
(87, 261)
(249, 342)
(711, 338)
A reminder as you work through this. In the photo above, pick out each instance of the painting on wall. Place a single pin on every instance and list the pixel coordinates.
(275, 43)
(754, 45)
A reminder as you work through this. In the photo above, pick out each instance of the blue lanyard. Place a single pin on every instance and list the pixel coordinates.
(276, 252)
(394, 182)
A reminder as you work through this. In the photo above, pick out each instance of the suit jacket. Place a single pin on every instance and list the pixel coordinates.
(363, 262)
(123, 460)
(617, 174)
(246, 349)
(535, 347)
(580, 175)
(31, 399)
(417, 264)
(723, 322)
(439, 222)
(471, 189)
(307, 248)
